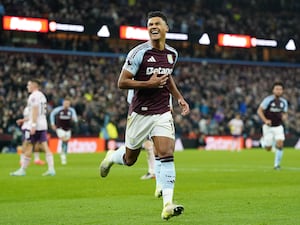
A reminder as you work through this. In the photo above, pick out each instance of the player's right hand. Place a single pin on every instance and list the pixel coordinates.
(158, 81)
(268, 122)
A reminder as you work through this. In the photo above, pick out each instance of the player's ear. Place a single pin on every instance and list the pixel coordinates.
(167, 28)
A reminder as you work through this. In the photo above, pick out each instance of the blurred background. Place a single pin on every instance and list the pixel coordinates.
(230, 52)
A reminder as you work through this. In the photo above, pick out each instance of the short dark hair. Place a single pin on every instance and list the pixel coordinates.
(157, 14)
(278, 83)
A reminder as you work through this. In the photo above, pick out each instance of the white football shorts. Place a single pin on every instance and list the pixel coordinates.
(65, 135)
(140, 127)
(272, 133)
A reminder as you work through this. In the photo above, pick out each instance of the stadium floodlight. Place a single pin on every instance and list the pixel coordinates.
(54, 26)
(141, 33)
(103, 32)
(177, 36)
(29, 24)
(204, 40)
(291, 46)
(263, 42)
(234, 40)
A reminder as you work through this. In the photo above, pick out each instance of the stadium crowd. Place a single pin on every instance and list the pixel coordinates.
(232, 16)
(215, 92)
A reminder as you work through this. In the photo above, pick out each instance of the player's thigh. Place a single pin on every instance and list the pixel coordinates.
(163, 135)
(268, 135)
(63, 134)
(164, 146)
(137, 130)
(279, 133)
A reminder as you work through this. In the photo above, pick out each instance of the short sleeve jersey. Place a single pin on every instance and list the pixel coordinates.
(63, 118)
(143, 61)
(38, 99)
(25, 125)
(273, 109)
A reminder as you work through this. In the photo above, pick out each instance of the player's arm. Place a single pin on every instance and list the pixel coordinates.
(74, 115)
(185, 108)
(21, 121)
(126, 82)
(52, 117)
(260, 112)
(284, 116)
(35, 113)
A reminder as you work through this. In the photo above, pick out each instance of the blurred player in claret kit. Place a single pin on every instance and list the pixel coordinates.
(148, 70)
(273, 112)
(38, 127)
(61, 119)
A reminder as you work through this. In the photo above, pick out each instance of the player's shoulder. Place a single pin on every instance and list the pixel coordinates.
(171, 49)
(283, 100)
(141, 48)
(269, 98)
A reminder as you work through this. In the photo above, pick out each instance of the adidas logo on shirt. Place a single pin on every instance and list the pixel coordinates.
(151, 59)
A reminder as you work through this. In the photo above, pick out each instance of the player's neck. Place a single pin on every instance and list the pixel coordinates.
(158, 44)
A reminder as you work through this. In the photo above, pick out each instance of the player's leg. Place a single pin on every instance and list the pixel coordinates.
(278, 154)
(36, 155)
(268, 137)
(137, 130)
(157, 168)
(49, 159)
(121, 156)
(22, 153)
(279, 140)
(148, 146)
(64, 137)
(165, 148)
(42, 139)
(27, 148)
(163, 136)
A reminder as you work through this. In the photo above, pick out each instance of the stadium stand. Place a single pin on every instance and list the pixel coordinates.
(215, 90)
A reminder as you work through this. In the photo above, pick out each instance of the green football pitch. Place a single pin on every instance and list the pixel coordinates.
(216, 188)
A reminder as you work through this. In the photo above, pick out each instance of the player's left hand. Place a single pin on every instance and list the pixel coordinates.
(185, 108)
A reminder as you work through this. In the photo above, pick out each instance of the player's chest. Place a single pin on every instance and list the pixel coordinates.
(157, 62)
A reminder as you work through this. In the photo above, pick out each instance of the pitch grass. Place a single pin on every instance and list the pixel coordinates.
(226, 188)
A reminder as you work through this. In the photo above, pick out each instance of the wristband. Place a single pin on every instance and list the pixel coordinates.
(33, 125)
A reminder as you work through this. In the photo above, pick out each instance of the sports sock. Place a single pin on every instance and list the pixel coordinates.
(63, 158)
(157, 168)
(21, 158)
(25, 163)
(50, 161)
(150, 159)
(117, 156)
(167, 178)
(64, 147)
(278, 156)
(36, 156)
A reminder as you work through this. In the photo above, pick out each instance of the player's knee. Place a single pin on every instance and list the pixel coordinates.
(130, 162)
(268, 148)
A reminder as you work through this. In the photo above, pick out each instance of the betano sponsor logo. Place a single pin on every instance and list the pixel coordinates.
(159, 70)
(79, 145)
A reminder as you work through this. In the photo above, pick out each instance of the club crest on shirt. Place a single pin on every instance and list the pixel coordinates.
(170, 58)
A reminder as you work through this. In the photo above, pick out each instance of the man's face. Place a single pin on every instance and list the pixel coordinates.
(30, 86)
(66, 104)
(278, 90)
(157, 28)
